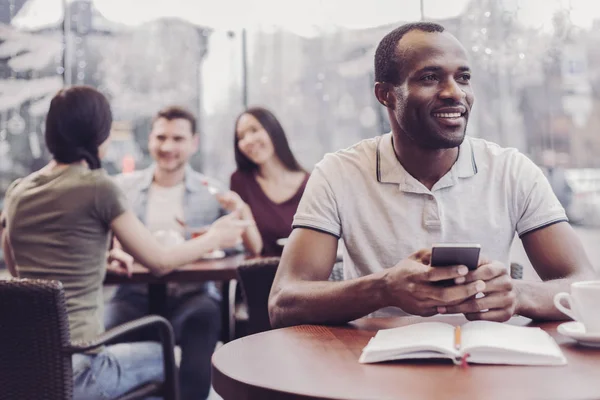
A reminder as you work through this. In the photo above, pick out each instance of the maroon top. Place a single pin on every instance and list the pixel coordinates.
(273, 220)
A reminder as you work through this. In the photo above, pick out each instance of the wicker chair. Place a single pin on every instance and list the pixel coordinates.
(35, 346)
(256, 278)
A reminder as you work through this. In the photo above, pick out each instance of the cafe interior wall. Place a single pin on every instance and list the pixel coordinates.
(537, 84)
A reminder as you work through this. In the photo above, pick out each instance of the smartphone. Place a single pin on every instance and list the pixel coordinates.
(447, 254)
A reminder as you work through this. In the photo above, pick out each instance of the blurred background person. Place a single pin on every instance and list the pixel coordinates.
(172, 200)
(268, 177)
(57, 227)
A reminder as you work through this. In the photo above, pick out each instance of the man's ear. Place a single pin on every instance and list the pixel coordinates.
(384, 94)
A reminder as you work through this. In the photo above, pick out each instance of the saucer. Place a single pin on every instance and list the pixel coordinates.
(576, 330)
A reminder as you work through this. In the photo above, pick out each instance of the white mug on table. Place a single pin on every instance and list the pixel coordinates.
(583, 304)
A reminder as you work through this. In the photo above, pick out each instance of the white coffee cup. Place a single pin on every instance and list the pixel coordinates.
(583, 304)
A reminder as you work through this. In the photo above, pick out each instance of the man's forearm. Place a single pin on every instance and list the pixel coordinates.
(319, 302)
(536, 299)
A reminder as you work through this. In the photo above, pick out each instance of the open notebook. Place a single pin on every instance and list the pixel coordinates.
(481, 342)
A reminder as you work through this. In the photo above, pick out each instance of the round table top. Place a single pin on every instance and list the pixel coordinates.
(203, 270)
(321, 362)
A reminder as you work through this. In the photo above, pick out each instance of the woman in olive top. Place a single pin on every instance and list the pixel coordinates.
(268, 177)
(57, 226)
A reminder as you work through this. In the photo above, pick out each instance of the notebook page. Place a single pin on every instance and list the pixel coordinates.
(506, 357)
(422, 336)
(503, 343)
(373, 356)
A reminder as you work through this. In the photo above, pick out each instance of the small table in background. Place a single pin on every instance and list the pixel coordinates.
(223, 270)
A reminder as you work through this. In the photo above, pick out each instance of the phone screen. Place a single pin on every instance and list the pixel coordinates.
(447, 254)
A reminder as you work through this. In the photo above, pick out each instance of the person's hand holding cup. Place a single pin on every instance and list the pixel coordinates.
(582, 304)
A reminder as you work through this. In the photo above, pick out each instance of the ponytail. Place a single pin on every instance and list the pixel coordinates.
(92, 158)
(70, 156)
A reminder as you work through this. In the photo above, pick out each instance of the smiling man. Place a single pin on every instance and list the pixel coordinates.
(392, 197)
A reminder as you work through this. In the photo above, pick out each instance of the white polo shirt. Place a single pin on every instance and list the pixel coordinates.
(364, 195)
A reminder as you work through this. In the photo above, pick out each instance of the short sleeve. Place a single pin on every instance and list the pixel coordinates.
(537, 205)
(110, 199)
(318, 208)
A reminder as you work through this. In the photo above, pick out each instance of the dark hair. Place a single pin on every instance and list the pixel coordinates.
(277, 135)
(387, 59)
(176, 112)
(78, 121)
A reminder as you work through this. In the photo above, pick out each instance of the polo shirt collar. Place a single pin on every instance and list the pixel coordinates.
(148, 177)
(465, 166)
(389, 169)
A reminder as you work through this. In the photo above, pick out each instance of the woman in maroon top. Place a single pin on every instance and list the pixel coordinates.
(268, 177)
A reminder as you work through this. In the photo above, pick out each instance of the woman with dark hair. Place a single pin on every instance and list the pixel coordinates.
(58, 224)
(268, 177)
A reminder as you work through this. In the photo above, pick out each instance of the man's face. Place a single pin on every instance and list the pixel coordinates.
(172, 143)
(434, 97)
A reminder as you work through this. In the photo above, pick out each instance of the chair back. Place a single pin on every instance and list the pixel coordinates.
(256, 278)
(33, 332)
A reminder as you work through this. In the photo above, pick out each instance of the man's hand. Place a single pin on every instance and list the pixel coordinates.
(413, 285)
(119, 262)
(500, 300)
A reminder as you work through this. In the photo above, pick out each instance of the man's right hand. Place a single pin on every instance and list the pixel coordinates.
(413, 285)
(227, 231)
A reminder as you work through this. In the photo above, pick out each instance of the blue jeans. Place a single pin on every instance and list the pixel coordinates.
(196, 321)
(116, 370)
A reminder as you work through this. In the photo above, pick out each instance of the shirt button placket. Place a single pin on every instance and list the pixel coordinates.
(431, 215)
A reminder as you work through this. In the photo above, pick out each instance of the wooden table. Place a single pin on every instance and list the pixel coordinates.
(224, 270)
(199, 271)
(320, 362)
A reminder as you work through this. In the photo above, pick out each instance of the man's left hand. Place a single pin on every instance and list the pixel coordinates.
(500, 300)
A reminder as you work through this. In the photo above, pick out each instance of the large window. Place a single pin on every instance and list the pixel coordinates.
(535, 74)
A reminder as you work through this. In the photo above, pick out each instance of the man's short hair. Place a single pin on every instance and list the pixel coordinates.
(176, 112)
(387, 59)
